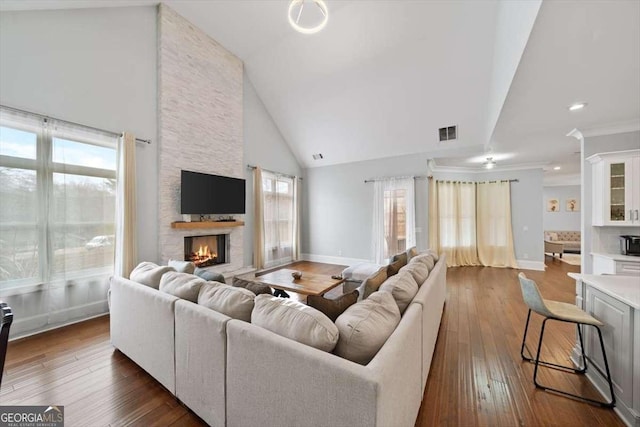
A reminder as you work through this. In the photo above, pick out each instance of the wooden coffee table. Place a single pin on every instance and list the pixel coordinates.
(308, 284)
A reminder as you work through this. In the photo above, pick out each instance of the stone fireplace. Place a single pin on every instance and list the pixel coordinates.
(208, 250)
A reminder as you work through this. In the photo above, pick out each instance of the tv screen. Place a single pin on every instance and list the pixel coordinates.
(204, 194)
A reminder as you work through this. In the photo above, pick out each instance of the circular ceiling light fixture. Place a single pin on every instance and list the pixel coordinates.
(489, 164)
(296, 7)
(577, 106)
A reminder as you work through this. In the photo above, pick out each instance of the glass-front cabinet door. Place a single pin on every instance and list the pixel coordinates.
(617, 204)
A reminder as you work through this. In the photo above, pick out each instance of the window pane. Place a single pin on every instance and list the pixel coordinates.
(17, 143)
(81, 154)
(19, 258)
(82, 222)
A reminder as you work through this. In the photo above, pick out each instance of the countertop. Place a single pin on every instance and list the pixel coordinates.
(617, 257)
(623, 288)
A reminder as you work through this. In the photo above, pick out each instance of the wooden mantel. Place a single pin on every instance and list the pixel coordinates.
(206, 224)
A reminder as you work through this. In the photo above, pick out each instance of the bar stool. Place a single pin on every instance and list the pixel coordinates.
(6, 318)
(563, 312)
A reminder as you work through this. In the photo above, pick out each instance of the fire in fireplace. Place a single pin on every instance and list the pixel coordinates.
(205, 251)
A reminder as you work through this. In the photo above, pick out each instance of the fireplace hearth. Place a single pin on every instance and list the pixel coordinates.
(205, 251)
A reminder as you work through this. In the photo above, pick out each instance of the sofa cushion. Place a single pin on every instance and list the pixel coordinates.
(433, 253)
(418, 270)
(256, 288)
(373, 282)
(402, 287)
(394, 267)
(296, 321)
(208, 275)
(182, 266)
(332, 308)
(182, 285)
(365, 326)
(359, 272)
(411, 252)
(148, 273)
(426, 259)
(234, 302)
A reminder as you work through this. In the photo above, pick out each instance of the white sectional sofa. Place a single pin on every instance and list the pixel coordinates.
(234, 373)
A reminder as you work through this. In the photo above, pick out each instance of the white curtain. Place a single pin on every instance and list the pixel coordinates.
(471, 223)
(258, 220)
(495, 235)
(393, 217)
(297, 205)
(279, 213)
(126, 242)
(457, 222)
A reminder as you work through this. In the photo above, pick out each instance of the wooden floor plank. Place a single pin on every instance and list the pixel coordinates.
(476, 376)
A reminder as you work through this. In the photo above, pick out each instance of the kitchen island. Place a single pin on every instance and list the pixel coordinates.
(615, 301)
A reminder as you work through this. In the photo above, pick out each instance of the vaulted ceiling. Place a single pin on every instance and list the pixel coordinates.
(383, 76)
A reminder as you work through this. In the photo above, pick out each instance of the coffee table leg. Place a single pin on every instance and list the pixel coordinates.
(280, 293)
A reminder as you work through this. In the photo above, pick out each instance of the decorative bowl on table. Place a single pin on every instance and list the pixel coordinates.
(296, 275)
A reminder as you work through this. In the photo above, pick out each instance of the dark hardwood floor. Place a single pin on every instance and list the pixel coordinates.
(476, 378)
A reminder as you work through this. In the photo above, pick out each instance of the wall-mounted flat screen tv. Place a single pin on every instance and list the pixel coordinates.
(204, 194)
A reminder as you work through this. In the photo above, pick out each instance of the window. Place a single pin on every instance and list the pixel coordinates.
(279, 214)
(57, 217)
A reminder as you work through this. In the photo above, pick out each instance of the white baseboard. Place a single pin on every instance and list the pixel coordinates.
(524, 264)
(332, 259)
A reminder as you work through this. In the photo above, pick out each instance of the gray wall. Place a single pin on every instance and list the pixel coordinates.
(264, 146)
(526, 209)
(561, 220)
(593, 145)
(92, 66)
(338, 205)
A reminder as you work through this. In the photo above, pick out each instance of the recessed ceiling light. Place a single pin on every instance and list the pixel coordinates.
(557, 168)
(577, 106)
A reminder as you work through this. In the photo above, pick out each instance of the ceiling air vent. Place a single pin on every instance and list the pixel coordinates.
(448, 133)
(318, 156)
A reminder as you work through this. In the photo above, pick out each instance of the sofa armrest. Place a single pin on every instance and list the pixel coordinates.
(142, 327)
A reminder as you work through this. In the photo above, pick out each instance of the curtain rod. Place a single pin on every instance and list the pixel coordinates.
(277, 173)
(42, 116)
(366, 181)
(478, 182)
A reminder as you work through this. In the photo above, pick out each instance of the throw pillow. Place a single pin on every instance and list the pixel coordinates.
(332, 308)
(418, 270)
(236, 303)
(373, 282)
(208, 275)
(182, 266)
(403, 288)
(394, 267)
(365, 327)
(182, 285)
(296, 321)
(400, 257)
(411, 252)
(255, 287)
(426, 259)
(148, 273)
(433, 253)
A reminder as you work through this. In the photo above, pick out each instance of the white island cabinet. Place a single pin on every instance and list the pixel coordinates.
(615, 301)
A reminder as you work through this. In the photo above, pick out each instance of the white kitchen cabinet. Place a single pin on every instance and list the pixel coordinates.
(615, 301)
(616, 264)
(616, 188)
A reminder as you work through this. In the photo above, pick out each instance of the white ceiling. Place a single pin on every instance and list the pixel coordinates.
(384, 75)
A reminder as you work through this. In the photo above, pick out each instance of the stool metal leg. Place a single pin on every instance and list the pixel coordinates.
(549, 364)
(537, 362)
